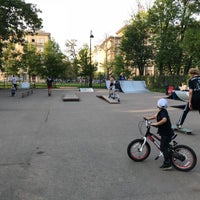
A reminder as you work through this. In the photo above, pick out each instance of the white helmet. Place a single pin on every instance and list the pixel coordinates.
(162, 103)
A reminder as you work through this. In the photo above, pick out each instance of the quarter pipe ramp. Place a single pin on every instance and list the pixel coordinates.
(131, 86)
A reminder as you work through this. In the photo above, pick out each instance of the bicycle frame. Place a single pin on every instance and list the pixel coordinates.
(151, 137)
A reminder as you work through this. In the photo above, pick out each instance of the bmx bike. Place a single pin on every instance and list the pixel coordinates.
(183, 157)
(114, 92)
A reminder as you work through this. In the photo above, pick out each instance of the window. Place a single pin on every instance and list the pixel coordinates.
(41, 40)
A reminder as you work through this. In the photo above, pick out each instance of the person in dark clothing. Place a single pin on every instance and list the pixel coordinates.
(49, 85)
(164, 130)
(194, 95)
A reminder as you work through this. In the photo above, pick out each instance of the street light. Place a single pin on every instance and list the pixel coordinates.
(90, 75)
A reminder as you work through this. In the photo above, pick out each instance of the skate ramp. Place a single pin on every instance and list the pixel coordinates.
(182, 95)
(131, 86)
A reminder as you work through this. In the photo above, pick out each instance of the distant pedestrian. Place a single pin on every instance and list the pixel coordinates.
(122, 77)
(14, 81)
(49, 85)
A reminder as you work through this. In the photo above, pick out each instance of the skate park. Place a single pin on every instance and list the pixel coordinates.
(55, 149)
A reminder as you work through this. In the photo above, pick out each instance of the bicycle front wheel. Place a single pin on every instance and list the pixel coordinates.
(135, 152)
(184, 158)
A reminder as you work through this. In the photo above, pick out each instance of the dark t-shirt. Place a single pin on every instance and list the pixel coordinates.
(165, 129)
(49, 82)
(194, 84)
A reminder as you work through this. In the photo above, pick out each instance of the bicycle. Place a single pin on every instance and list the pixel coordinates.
(183, 157)
(114, 92)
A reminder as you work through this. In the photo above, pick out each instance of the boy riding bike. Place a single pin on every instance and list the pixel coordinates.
(164, 130)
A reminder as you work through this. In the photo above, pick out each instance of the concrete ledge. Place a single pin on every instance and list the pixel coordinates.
(86, 90)
(27, 92)
(70, 97)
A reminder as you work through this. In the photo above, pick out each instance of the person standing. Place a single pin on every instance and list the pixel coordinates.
(49, 85)
(112, 86)
(194, 95)
(14, 82)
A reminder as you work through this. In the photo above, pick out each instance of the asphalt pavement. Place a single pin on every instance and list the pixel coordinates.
(76, 150)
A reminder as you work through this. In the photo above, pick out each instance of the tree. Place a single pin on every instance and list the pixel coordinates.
(120, 66)
(169, 22)
(87, 69)
(135, 45)
(11, 59)
(191, 45)
(72, 55)
(16, 18)
(31, 60)
(53, 61)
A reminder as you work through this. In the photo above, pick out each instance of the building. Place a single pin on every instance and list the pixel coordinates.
(39, 39)
(105, 53)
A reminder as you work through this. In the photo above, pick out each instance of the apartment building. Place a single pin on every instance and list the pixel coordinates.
(39, 39)
(106, 52)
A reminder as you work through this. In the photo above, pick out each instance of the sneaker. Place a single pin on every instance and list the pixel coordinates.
(166, 166)
(178, 126)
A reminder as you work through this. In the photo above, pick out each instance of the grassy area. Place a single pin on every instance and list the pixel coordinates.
(8, 85)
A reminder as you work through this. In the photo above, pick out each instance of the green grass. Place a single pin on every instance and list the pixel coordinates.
(8, 85)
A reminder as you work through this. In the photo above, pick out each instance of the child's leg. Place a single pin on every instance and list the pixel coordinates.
(164, 147)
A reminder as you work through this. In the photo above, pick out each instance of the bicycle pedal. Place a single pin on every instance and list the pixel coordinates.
(156, 158)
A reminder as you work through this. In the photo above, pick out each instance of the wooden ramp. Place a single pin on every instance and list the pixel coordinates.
(109, 100)
(70, 97)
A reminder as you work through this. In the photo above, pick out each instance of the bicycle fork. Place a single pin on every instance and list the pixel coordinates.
(156, 144)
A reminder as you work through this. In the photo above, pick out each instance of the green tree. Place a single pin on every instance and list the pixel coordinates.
(73, 73)
(11, 59)
(87, 69)
(16, 18)
(120, 66)
(135, 46)
(31, 60)
(54, 62)
(169, 22)
(191, 45)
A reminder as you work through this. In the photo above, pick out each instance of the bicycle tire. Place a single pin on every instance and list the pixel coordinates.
(184, 158)
(134, 153)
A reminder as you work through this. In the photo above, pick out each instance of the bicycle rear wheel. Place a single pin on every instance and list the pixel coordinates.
(134, 152)
(184, 158)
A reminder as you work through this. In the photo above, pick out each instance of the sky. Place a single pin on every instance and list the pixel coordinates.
(74, 19)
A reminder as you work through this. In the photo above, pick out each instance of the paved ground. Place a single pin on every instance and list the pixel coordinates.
(55, 150)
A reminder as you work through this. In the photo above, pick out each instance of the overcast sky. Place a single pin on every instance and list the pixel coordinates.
(74, 19)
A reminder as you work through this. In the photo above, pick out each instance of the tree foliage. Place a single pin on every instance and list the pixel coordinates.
(54, 62)
(17, 17)
(31, 60)
(170, 21)
(11, 59)
(87, 69)
(135, 45)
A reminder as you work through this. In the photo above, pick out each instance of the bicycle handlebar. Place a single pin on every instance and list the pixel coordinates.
(148, 123)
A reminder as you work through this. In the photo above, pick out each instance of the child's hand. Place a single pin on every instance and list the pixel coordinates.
(154, 124)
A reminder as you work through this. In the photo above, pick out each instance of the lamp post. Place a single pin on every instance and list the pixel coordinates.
(91, 71)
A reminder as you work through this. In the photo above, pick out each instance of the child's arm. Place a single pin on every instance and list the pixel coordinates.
(162, 121)
(151, 117)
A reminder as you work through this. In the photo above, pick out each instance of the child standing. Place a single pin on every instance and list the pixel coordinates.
(164, 130)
